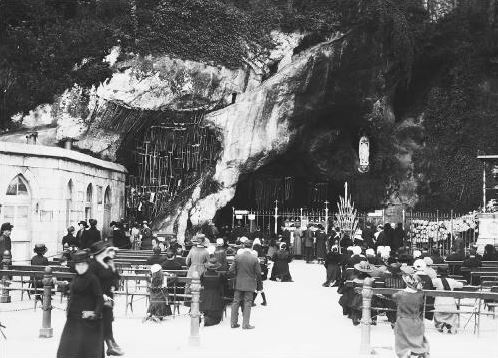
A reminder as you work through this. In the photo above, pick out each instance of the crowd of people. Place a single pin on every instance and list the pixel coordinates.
(232, 265)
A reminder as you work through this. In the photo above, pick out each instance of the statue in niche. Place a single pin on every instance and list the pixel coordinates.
(364, 154)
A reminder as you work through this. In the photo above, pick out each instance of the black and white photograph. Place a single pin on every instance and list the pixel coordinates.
(248, 178)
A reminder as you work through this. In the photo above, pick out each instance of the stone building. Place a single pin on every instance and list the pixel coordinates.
(43, 190)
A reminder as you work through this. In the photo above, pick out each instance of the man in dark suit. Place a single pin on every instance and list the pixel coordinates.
(308, 244)
(171, 262)
(247, 273)
(90, 236)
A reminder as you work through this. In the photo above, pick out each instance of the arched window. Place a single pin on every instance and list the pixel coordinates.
(89, 202)
(18, 186)
(107, 196)
(69, 203)
(89, 193)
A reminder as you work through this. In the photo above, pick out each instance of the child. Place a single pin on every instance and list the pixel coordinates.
(409, 331)
(158, 307)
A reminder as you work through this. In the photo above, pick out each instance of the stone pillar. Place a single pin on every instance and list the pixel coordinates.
(47, 331)
(195, 288)
(366, 293)
(6, 261)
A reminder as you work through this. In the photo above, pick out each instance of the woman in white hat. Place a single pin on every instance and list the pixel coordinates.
(420, 269)
(158, 306)
(197, 257)
(409, 330)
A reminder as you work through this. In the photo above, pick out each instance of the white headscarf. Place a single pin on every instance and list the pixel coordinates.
(256, 242)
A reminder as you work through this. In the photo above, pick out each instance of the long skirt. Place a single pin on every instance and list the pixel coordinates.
(159, 303)
(212, 317)
(81, 339)
(446, 305)
(409, 337)
(333, 273)
(298, 246)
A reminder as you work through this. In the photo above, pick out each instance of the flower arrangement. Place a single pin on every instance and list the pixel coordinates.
(424, 230)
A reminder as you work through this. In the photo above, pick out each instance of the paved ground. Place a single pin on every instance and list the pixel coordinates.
(302, 319)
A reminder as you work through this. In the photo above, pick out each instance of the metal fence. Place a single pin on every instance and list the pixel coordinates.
(424, 230)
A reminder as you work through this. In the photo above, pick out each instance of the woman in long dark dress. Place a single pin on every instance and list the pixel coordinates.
(212, 295)
(103, 267)
(158, 306)
(332, 267)
(82, 336)
(280, 270)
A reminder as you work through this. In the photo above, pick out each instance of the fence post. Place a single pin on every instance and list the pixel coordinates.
(195, 288)
(6, 260)
(452, 239)
(366, 293)
(47, 331)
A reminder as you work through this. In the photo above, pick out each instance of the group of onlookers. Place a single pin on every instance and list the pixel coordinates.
(411, 272)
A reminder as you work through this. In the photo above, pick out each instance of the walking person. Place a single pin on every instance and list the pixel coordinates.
(83, 336)
(103, 267)
(247, 272)
(409, 330)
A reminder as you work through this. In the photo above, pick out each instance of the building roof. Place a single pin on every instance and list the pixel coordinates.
(37, 150)
(488, 157)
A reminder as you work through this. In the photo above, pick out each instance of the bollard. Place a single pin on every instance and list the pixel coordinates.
(6, 261)
(195, 288)
(366, 293)
(47, 331)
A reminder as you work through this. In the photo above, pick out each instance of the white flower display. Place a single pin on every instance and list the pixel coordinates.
(423, 230)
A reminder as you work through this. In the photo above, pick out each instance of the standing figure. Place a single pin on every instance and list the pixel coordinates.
(399, 237)
(321, 244)
(5, 241)
(409, 330)
(212, 295)
(247, 272)
(197, 257)
(119, 238)
(69, 239)
(443, 318)
(82, 336)
(158, 306)
(38, 260)
(90, 236)
(308, 244)
(103, 267)
(280, 270)
(298, 241)
(135, 237)
(82, 225)
(332, 267)
(146, 243)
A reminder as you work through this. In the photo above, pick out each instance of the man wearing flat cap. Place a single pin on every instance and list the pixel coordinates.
(5, 243)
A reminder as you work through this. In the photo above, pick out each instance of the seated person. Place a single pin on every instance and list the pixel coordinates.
(156, 257)
(436, 257)
(171, 264)
(472, 261)
(38, 260)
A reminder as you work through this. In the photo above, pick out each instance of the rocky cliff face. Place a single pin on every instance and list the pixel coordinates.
(315, 101)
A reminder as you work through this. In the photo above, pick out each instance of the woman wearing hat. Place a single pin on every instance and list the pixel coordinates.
(409, 330)
(103, 267)
(445, 305)
(158, 306)
(212, 296)
(82, 225)
(82, 336)
(90, 236)
(197, 257)
(420, 269)
(280, 270)
(362, 270)
(38, 260)
(69, 240)
(221, 254)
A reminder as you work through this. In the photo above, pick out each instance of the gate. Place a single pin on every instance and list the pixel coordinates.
(272, 221)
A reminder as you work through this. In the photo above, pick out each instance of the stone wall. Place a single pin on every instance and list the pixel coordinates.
(57, 181)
